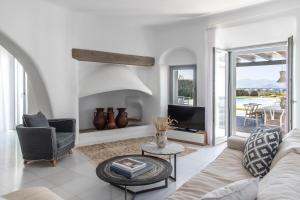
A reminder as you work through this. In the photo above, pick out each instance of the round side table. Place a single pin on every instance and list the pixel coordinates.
(171, 149)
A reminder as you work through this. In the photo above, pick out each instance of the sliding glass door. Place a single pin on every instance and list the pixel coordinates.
(260, 89)
(252, 88)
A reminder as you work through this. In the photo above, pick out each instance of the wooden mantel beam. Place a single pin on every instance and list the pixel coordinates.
(114, 58)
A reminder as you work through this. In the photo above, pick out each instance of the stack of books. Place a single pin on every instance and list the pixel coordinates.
(130, 168)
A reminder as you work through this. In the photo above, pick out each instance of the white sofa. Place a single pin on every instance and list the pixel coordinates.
(282, 182)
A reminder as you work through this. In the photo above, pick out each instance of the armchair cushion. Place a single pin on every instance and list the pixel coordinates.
(63, 139)
(37, 120)
(63, 125)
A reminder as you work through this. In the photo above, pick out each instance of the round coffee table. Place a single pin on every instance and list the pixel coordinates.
(161, 170)
(169, 150)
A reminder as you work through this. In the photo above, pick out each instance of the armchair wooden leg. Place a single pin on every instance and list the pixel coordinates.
(53, 162)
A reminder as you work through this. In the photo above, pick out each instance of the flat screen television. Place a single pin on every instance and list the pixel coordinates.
(190, 118)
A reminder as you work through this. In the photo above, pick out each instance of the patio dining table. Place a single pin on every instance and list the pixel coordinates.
(275, 108)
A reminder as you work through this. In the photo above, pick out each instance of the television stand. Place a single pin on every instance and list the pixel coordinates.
(187, 130)
(188, 136)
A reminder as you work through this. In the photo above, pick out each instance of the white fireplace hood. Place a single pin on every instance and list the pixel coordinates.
(111, 78)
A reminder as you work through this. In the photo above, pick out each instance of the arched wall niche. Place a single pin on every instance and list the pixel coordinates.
(40, 93)
(172, 56)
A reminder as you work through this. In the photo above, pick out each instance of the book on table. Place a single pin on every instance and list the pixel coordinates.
(130, 175)
(129, 165)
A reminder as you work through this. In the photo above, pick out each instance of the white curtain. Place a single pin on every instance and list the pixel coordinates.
(20, 92)
(12, 90)
(6, 91)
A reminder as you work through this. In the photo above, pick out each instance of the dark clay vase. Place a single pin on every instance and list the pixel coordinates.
(99, 119)
(122, 119)
(111, 124)
(110, 109)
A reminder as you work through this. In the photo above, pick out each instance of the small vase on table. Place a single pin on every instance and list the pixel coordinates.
(161, 139)
(162, 125)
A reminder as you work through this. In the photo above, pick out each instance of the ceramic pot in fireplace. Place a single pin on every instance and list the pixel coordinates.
(99, 119)
(121, 119)
(111, 124)
(110, 109)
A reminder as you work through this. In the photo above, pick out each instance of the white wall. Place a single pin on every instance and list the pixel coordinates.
(120, 35)
(113, 34)
(45, 34)
(41, 36)
(187, 37)
(265, 23)
(39, 31)
(176, 56)
(32, 103)
(256, 33)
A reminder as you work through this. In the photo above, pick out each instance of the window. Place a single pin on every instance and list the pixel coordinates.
(183, 85)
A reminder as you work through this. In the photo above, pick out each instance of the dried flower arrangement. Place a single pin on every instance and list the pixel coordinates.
(164, 123)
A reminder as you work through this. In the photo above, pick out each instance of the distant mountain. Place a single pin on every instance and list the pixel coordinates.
(259, 84)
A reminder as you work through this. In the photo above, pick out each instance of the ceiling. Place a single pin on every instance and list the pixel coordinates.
(156, 7)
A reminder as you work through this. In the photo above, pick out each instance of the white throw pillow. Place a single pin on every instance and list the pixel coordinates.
(290, 143)
(239, 190)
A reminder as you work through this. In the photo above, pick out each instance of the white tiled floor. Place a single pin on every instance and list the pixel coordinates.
(74, 176)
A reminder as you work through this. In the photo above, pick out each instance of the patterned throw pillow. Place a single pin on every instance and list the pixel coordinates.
(260, 149)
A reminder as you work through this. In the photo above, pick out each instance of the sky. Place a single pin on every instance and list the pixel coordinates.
(270, 72)
(187, 74)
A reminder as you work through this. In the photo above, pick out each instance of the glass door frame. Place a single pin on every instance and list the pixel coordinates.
(227, 54)
(232, 82)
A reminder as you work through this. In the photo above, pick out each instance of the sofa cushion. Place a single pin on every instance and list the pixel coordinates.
(259, 152)
(243, 189)
(282, 182)
(236, 143)
(63, 139)
(290, 143)
(227, 168)
(35, 193)
(37, 120)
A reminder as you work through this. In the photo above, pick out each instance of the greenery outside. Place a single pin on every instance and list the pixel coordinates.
(247, 93)
(185, 88)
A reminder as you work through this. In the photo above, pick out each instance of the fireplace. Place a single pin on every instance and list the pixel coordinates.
(132, 101)
(116, 86)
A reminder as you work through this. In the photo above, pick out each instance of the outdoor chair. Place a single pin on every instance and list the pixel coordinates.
(251, 113)
(274, 118)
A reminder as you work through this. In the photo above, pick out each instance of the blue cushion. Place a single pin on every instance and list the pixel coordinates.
(37, 120)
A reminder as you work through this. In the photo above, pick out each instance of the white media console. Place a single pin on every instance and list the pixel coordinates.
(199, 138)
